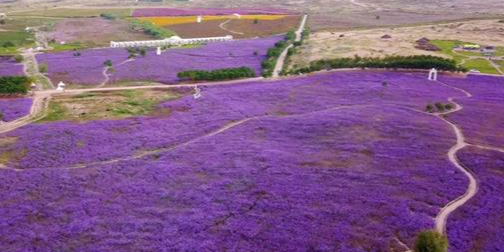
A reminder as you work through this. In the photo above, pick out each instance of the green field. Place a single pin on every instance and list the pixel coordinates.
(70, 12)
(464, 57)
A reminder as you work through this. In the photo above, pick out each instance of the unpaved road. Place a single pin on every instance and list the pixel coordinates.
(472, 189)
(281, 59)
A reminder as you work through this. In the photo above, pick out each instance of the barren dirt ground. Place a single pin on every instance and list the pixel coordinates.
(369, 42)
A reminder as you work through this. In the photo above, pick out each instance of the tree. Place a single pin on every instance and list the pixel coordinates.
(143, 52)
(440, 107)
(2, 21)
(11, 85)
(431, 241)
(448, 107)
(429, 108)
(256, 21)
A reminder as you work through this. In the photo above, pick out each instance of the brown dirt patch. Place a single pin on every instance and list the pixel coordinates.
(247, 27)
(93, 31)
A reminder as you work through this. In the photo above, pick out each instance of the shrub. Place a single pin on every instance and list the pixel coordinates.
(448, 107)
(439, 106)
(8, 44)
(107, 63)
(429, 108)
(18, 58)
(43, 68)
(2, 21)
(218, 74)
(256, 21)
(431, 241)
(11, 85)
(108, 16)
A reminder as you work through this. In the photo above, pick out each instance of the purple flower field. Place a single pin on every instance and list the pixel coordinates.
(477, 226)
(9, 67)
(479, 120)
(161, 12)
(87, 69)
(14, 108)
(329, 162)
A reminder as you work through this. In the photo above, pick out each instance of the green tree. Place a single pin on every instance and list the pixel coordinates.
(107, 63)
(143, 52)
(431, 241)
(256, 21)
(2, 21)
(12, 85)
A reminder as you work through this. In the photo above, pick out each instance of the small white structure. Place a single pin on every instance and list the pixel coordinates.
(33, 85)
(175, 40)
(158, 51)
(61, 86)
(433, 74)
(237, 15)
(199, 19)
(197, 92)
(3, 15)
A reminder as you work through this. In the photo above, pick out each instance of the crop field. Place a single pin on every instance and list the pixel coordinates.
(93, 32)
(8, 66)
(14, 108)
(73, 12)
(161, 12)
(88, 68)
(338, 160)
(167, 21)
(476, 227)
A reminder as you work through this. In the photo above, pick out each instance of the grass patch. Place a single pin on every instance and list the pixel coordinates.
(481, 65)
(56, 47)
(107, 105)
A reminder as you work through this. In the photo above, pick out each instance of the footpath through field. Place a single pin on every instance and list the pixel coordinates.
(281, 60)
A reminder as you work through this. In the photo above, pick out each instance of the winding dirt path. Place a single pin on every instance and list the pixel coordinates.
(472, 189)
(37, 111)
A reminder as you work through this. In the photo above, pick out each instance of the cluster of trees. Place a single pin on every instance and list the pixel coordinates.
(108, 16)
(268, 65)
(14, 85)
(134, 51)
(151, 29)
(388, 62)
(439, 107)
(216, 75)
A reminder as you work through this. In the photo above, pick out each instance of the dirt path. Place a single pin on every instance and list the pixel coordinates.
(226, 29)
(281, 59)
(107, 77)
(443, 215)
(37, 111)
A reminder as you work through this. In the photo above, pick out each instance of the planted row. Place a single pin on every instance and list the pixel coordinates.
(219, 74)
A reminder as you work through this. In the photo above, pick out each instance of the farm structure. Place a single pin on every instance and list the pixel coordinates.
(175, 40)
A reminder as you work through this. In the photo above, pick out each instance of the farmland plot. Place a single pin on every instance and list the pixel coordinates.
(342, 161)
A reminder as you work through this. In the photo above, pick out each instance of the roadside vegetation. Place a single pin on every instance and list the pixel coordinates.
(268, 65)
(390, 62)
(151, 29)
(218, 74)
(14, 85)
(431, 241)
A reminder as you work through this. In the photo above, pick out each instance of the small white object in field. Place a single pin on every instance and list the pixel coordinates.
(433, 74)
(158, 51)
(199, 19)
(197, 92)
(61, 86)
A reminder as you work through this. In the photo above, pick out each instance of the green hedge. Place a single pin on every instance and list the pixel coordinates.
(268, 65)
(216, 75)
(389, 62)
(12, 85)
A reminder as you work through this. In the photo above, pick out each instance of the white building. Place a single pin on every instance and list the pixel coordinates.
(175, 40)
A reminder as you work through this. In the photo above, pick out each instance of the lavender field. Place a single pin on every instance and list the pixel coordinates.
(478, 225)
(340, 161)
(160, 12)
(88, 68)
(9, 67)
(479, 118)
(14, 108)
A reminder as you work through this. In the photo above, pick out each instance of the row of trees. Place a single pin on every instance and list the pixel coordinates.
(388, 62)
(216, 75)
(268, 65)
(14, 85)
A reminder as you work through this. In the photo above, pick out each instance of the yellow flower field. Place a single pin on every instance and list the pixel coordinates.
(167, 21)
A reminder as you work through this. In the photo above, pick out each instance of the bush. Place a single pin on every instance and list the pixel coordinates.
(151, 29)
(18, 58)
(431, 241)
(2, 21)
(218, 74)
(8, 44)
(439, 106)
(43, 68)
(108, 16)
(256, 21)
(11, 85)
(107, 63)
